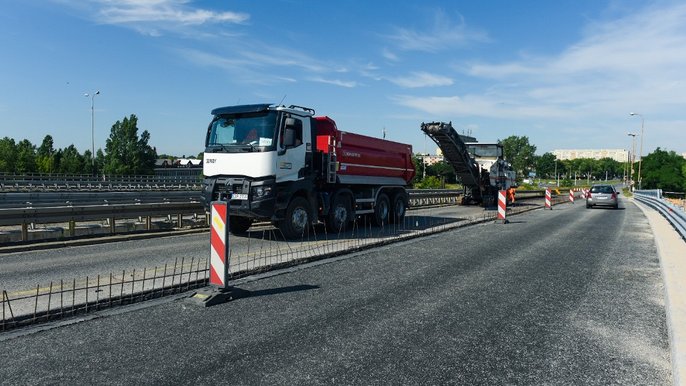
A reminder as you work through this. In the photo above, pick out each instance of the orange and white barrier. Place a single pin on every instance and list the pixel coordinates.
(571, 196)
(502, 205)
(548, 196)
(219, 241)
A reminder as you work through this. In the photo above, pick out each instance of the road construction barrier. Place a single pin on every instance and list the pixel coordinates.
(502, 206)
(571, 196)
(548, 197)
(219, 241)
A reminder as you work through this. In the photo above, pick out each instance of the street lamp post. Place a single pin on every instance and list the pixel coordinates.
(557, 178)
(632, 159)
(640, 155)
(92, 96)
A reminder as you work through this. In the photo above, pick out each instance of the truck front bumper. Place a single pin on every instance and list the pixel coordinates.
(250, 198)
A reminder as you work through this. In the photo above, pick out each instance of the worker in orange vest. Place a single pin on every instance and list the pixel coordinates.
(511, 195)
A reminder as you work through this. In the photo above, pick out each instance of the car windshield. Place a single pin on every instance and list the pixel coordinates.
(239, 132)
(602, 189)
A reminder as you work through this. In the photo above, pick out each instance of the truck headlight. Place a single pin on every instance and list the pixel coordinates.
(262, 191)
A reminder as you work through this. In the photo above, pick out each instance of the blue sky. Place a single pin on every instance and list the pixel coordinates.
(564, 73)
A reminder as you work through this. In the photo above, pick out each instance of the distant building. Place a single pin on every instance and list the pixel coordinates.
(189, 163)
(619, 155)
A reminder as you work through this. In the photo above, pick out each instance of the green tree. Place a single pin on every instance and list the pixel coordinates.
(45, 156)
(99, 161)
(545, 165)
(520, 153)
(442, 170)
(608, 167)
(8, 155)
(71, 161)
(418, 169)
(663, 169)
(430, 182)
(26, 157)
(125, 152)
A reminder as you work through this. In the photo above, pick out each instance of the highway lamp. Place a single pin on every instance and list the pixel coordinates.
(92, 96)
(632, 159)
(640, 154)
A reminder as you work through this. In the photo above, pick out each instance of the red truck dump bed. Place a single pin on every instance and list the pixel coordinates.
(360, 155)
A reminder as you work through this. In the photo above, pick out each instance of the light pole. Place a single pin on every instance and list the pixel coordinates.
(632, 159)
(92, 96)
(640, 155)
(557, 178)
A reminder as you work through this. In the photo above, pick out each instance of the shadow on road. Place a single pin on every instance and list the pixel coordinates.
(241, 293)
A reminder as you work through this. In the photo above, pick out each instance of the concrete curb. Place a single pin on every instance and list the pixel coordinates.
(672, 251)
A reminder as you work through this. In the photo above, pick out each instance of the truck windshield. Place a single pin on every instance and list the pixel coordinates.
(242, 132)
(485, 151)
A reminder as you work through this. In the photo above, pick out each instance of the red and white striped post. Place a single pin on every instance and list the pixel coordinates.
(219, 290)
(571, 196)
(502, 206)
(219, 244)
(548, 196)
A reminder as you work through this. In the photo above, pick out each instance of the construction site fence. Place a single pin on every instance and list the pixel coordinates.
(266, 250)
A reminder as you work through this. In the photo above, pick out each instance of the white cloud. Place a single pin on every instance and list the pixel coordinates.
(636, 59)
(175, 11)
(336, 82)
(152, 17)
(478, 106)
(442, 35)
(389, 55)
(422, 79)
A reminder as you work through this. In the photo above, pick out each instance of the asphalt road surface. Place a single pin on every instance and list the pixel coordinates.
(568, 296)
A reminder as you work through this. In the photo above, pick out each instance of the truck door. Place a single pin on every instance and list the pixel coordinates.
(293, 141)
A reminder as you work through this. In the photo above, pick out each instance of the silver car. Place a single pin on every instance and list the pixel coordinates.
(604, 195)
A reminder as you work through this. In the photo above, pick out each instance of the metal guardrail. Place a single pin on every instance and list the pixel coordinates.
(185, 203)
(59, 182)
(674, 214)
(71, 198)
(27, 214)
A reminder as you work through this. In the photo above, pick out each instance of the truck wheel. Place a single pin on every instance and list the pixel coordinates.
(239, 225)
(382, 210)
(297, 221)
(399, 209)
(340, 214)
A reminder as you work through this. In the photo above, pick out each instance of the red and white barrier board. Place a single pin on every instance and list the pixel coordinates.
(219, 241)
(571, 196)
(502, 205)
(548, 197)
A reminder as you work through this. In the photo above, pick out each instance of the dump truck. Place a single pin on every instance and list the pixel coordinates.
(480, 166)
(294, 169)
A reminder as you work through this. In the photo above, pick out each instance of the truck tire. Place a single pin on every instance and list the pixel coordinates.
(382, 210)
(399, 208)
(340, 214)
(239, 225)
(296, 224)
